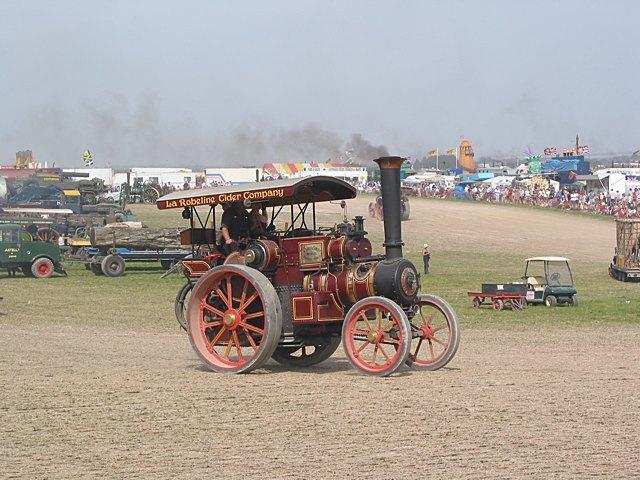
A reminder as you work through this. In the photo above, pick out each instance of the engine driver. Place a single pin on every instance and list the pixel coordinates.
(234, 227)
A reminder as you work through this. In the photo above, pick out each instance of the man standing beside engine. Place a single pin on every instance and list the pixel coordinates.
(426, 256)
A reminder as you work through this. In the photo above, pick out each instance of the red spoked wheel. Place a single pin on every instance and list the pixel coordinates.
(435, 332)
(376, 336)
(234, 319)
(46, 234)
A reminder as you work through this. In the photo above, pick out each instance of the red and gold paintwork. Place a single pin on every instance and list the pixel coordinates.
(321, 265)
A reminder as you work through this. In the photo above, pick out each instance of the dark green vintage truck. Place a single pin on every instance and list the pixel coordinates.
(33, 254)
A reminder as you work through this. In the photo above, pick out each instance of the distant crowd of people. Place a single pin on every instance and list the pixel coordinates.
(620, 206)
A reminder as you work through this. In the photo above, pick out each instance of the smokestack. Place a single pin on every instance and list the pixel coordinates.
(390, 191)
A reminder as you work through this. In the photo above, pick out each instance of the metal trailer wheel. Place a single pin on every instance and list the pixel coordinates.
(181, 303)
(550, 301)
(436, 333)
(477, 301)
(42, 268)
(113, 265)
(517, 304)
(497, 304)
(376, 336)
(306, 355)
(234, 319)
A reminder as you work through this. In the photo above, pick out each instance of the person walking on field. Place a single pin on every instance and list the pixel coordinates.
(426, 256)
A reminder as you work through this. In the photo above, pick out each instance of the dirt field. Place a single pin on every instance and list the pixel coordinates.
(485, 228)
(118, 396)
(534, 402)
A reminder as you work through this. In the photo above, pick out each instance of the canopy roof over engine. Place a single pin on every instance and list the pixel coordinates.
(270, 193)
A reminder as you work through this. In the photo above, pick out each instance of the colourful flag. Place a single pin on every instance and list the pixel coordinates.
(550, 151)
(432, 153)
(583, 149)
(88, 158)
(452, 151)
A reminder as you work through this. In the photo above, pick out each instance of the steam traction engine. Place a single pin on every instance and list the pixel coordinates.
(296, 295)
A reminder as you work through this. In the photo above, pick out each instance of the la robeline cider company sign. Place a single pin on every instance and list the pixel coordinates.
(195, 201)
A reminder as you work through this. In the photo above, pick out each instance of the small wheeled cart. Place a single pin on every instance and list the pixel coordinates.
(498, 300)
(500, 295)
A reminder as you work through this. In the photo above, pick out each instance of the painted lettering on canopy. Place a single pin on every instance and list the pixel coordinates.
(259, 195)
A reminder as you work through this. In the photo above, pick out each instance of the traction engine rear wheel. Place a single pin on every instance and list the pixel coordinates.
(150, 195)
(435, 332)
(307, 355)
(376, 336)
(234, 319)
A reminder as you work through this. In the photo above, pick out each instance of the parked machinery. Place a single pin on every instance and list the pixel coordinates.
(376, 209)
(625, 265)
(139, 192)
(30, 248)
(296, 294)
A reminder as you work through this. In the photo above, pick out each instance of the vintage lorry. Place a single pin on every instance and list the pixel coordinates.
(299, 291)
(29, 250)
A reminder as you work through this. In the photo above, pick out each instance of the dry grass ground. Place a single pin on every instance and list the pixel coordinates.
(97, 381)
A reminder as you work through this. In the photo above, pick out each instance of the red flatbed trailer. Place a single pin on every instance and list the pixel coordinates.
(498, 300)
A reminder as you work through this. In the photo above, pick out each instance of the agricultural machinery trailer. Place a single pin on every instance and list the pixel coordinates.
(112, 262)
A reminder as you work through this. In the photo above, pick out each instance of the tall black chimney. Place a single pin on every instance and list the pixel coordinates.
(390, 191)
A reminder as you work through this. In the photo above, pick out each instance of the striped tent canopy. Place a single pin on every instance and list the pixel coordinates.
(286, 170)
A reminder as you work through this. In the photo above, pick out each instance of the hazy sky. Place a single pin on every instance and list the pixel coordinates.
(204, 82)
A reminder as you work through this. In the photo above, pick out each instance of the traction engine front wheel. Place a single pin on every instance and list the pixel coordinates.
(376, 336)
(234, 319)
(435, 332)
